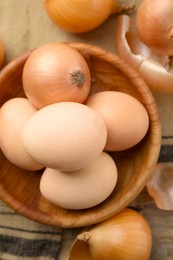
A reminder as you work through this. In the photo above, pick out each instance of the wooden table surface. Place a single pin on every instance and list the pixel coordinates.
(25, 25)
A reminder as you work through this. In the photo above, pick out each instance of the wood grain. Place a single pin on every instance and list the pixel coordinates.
(162, 232)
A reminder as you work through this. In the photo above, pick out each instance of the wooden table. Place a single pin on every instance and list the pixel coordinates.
(25, 25)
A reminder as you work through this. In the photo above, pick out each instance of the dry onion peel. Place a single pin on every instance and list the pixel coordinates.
(160, 186)
(1, 54)
(126, 235)
(79, 251)
(155, 69)
(82, 16)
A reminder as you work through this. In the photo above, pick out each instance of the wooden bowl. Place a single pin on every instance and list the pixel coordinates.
(20, 189)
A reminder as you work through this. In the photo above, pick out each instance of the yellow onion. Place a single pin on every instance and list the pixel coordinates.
(154, 23)
(124, 236)
(82, 16)
(1, 53)
(154, 68)
(55, 72)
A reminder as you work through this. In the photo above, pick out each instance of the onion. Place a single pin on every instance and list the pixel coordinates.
(55, 72)
(82, 16)
(154, 23)
(126, 235)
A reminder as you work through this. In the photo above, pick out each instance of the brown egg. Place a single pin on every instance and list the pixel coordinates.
(83, 188)
(65, 135)
(13, 116)
(126, 118)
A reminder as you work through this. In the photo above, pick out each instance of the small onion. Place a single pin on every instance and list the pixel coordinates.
(55, 72)
(154, 23)
(126, 235)
(82, 16)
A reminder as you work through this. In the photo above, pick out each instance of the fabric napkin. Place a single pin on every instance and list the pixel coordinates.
(23, 239)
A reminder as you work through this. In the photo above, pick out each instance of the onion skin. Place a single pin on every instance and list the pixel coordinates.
(1, 54)
(54, 73)
(160, 186)
(153, 68)
(82, 16)
(124, 236)
(154, 23)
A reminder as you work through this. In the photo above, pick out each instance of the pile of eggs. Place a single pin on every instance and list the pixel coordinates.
(65, 130)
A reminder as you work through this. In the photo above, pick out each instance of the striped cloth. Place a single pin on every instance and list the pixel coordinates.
(166, 153)
(23, 239)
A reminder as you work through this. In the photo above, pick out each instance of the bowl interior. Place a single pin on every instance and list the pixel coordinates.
(20, 188)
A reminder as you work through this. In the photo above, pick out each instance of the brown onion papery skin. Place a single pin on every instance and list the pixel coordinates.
(78, 17)
(47, 75)
(160, 186)
(1, 53)
(83, 16)
(154, 24)
(124, 236)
